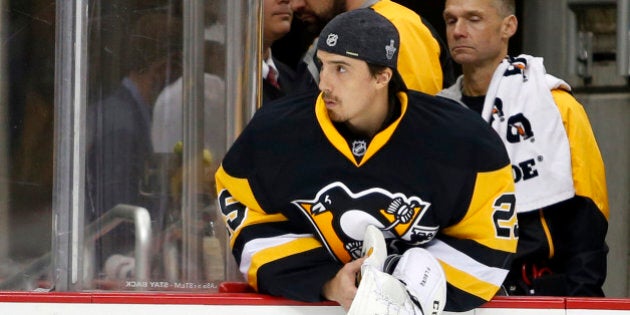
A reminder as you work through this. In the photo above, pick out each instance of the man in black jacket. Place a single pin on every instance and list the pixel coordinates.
(277, 76)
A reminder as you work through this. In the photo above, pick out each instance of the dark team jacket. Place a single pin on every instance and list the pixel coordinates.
(552, 234)
(555, 256)
(286, 81)
(296, 202)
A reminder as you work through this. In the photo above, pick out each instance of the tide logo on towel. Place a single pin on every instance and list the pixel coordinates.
(524, 170)
(519, 129)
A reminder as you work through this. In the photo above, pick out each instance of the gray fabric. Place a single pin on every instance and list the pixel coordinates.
(454, 91)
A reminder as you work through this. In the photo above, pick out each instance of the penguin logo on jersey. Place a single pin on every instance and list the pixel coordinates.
(340, 216)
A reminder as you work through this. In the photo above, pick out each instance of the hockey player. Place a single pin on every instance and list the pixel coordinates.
(423, 62)
(303, 181)
(561, 194)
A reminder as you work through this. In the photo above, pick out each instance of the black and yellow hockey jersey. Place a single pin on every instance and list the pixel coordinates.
(296, 201)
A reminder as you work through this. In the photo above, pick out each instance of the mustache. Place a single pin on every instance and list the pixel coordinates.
(327, 96)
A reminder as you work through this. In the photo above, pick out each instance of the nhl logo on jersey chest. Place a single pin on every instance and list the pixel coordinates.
(359, 147)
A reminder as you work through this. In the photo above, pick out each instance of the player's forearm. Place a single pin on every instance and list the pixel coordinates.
(299, 277)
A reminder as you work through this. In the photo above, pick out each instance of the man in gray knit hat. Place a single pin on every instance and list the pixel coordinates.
(372, 184)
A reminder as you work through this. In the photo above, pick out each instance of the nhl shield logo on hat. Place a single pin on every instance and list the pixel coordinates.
(332, 39)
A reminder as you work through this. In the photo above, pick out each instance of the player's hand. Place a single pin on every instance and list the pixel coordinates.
(342, 288)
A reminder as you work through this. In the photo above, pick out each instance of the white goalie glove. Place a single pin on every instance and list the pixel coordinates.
(417, 284)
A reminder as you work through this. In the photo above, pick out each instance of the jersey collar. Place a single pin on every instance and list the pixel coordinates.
(337, 140)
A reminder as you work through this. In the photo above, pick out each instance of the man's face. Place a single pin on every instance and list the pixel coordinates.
(348, 89)
(475, 31)
(316, 13)
(277, 15)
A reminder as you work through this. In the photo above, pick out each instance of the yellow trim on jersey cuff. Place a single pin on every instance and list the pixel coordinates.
(276, 253)
(467, 283)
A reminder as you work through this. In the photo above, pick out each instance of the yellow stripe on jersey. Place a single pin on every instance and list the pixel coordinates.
(337, 140)
(241, 192)
(468, 283)
(276, 253)
(381, 138)
(545, 226)
(253, 217)
(239, 188)
(480, 224)
(589, 175)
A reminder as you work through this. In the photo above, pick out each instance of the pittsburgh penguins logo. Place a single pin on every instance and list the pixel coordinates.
(340, 217)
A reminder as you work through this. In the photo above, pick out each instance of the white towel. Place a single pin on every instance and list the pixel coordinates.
(529, 123)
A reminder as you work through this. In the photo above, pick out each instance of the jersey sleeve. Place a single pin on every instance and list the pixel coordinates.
(589, 178)
(476, 251)
(272, 256)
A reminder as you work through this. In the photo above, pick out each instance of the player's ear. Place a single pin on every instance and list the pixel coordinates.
(384, 76)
